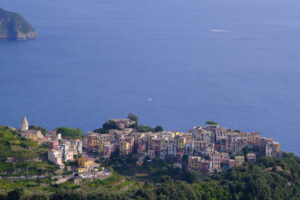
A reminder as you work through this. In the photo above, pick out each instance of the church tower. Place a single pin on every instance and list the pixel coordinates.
(24, 124)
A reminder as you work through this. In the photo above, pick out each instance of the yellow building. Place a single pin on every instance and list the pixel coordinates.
(124, 148)
(178, 133)
(277, 146)
(80, 170)
(253, 138)
(181, 142)
(239, 160)
(85, 162)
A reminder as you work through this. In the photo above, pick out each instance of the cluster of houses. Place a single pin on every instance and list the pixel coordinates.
(209, 149)
(63, 151)
(60, 150)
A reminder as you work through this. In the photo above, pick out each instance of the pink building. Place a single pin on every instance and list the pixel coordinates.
(70, 155)
(230, 163)
(205, 165)
(179, 155)
(217, 147)
(215, 161)
(251, 157)
(224, 156)
(156, 142)
(141, 147)
(53, 144)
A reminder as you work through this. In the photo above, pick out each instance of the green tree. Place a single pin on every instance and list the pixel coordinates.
(15, 194)
(158, 129)
(211, 123)
(106, 127)
(133, 117)
(70, 133)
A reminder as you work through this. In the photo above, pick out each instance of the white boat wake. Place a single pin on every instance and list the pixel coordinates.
(219, 30)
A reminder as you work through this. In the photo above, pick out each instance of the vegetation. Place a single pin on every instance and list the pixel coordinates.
(70, 133)
(106, 127)
(109, 181)
(158, 128)
(268, 178)
(13, 145)
(25, 155)
(133, 117)
(26, 168)
(142, 128)
(211, 123)
(150, 171)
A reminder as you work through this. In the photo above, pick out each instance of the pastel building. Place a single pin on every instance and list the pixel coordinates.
(215, 161)
(55, 156)
(239, 160)
(124, 148)
(85, 162)
(251, 156)
(194, 163)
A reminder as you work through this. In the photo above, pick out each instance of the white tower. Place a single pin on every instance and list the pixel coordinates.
(24, 124)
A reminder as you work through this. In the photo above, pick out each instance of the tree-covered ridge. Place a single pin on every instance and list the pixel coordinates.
(14, 27)
(268, 178)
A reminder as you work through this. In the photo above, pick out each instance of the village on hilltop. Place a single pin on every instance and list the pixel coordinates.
(208, 149)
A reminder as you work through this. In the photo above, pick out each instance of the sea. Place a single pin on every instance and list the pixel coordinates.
(174, 63)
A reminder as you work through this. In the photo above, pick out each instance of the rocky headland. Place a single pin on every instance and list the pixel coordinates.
(14, 27)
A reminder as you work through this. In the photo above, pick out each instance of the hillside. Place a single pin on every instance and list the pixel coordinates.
(20, 156)
(268, 178)
(14, 27)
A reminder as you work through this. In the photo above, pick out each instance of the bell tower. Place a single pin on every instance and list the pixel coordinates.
(24, 124)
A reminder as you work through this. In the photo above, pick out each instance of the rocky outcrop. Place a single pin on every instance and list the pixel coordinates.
(14, 27)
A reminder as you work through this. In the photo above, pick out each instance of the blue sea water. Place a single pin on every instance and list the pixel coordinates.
(176, 63)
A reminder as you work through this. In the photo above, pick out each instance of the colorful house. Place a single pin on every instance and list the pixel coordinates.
(194, 163)
(124, 148)
(277, 146)
(251, 156)
(85, 162)
(239, 160)
(81, 170)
